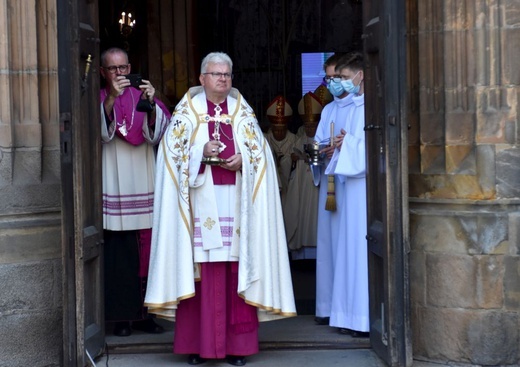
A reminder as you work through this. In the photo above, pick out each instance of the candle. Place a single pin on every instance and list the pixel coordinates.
(331, 133)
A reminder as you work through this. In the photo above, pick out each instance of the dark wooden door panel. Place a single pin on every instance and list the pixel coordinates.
(78, 53)
(385, 80)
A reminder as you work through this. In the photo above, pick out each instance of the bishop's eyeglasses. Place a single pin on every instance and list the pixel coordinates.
(216, 75)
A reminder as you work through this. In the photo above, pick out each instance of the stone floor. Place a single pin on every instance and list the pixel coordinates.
(296, 333)
(293, 342)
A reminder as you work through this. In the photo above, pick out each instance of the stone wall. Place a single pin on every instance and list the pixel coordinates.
(30, 200)
(465, 182)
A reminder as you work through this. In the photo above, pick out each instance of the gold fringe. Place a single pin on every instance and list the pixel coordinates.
(330, 204)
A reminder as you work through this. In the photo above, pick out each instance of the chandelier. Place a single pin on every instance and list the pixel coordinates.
(126, 24)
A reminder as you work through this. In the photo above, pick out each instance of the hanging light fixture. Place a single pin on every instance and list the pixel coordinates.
(126, 24)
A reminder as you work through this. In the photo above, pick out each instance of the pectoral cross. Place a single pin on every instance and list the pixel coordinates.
(122, 129)
(216, 132)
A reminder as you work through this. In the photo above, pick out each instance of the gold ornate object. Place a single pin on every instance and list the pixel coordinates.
(279, 113)
(217, 119)
(323, 95)
(309, 110)
(213, 161)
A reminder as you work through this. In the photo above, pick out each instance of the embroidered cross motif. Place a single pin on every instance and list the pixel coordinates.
(209, 223)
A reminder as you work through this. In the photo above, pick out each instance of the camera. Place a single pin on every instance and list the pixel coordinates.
(135, 80)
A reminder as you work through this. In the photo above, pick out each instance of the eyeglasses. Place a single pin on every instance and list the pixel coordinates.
(328, 79)
(219, 75)
(113, 69)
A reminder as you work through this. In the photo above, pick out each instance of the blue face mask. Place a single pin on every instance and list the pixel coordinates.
(349, 86)
(335, 88)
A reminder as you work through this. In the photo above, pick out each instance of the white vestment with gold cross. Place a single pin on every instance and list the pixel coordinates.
(182, 194)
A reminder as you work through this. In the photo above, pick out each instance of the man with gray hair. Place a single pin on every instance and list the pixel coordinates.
(219, 261)
(129, 135)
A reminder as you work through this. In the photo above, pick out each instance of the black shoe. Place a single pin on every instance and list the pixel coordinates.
(122, 329)
(195, 359)
(148, 326)
(236, 360)
(322, 320)
(345, 331)
(359, 334)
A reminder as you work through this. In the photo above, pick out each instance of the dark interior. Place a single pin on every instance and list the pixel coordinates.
(265, 40)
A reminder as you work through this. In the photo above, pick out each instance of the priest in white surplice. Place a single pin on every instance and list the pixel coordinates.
(219, 260)
(333, 119)
(350, 309)
(129, 135)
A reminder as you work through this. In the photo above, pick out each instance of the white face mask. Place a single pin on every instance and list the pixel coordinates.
(349, 86)
(335, 88)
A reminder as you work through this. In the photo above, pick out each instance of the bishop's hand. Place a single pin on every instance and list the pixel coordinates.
(211, 148)
(233, 163)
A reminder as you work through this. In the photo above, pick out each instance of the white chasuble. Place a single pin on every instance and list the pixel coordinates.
(259, 243)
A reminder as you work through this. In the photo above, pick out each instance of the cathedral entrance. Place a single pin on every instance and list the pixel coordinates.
(165, 41)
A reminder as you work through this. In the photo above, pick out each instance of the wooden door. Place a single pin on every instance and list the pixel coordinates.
(82, 231)
(387, 187)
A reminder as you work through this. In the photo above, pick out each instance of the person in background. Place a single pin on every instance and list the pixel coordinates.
(128, 172)
(332, 120)
(301, 201)
(219, 261)
(281, 141)
(350, 309)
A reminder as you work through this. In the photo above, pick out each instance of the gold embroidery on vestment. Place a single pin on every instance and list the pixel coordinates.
(209, 223)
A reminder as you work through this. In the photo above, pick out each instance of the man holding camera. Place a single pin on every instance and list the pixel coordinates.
(132, 123)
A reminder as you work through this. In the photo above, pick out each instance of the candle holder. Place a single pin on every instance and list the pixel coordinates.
(126, 24)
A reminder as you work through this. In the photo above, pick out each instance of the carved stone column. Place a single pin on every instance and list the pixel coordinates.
(465, 182)
(30, 226)
(29, 123)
